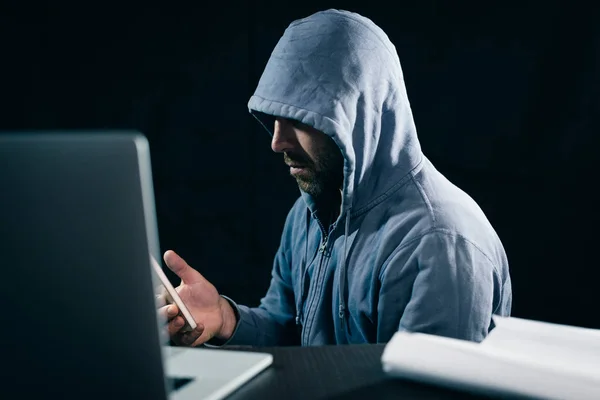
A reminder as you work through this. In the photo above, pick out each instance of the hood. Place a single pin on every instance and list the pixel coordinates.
(338, 72)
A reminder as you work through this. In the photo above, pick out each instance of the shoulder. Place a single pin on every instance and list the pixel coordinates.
(446, 256)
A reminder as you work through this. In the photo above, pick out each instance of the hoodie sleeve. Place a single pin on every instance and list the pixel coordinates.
(272, 323)
(453, 288)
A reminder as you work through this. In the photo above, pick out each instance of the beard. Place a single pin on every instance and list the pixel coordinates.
(321, 176)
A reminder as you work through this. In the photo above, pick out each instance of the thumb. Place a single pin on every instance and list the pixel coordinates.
(178, 265)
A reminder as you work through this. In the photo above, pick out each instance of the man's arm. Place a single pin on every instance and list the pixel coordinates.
(272, 322)
(439, 284)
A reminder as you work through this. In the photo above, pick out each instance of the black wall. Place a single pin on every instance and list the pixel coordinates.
(505, 97)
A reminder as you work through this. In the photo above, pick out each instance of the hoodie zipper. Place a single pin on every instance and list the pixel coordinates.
(322, 247)
(323, 244)
(310, 301)
(325, 236)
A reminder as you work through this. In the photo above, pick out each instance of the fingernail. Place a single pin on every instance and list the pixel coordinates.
(171, 310)
(178, 323)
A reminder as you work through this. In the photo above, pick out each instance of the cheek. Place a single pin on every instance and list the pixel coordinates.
(309, 150)
(317, 146)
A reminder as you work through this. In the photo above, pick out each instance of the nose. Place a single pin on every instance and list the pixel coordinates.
(283, 136)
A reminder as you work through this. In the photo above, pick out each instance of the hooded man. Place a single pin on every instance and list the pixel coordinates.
(379, 240)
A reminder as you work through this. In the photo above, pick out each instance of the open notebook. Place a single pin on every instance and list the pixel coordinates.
(519, 357)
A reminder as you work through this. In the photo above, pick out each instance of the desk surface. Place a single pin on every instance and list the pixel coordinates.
(332, 372)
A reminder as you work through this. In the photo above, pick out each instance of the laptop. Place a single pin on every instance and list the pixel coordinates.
(79, 320)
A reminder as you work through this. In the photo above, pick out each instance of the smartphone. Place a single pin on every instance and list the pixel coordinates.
(173, 297)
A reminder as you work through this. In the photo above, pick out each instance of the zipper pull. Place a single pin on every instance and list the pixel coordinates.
(323, 246)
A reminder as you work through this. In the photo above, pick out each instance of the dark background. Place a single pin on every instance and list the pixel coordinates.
(505, 97)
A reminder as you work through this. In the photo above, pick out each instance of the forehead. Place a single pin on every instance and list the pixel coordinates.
(268, 121)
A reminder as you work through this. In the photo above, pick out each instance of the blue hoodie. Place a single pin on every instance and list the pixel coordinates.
(409, 250)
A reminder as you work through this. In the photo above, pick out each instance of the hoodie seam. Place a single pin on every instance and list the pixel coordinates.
(435, 227)
(382, 197)
(384, 268)
(337, 14)
(425, 198)
(443, 232)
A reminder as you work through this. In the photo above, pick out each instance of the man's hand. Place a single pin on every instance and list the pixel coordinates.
(212, 313)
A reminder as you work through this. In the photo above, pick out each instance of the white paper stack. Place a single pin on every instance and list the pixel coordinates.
(519, 357)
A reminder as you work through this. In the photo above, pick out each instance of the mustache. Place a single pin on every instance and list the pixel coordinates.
(291, 158)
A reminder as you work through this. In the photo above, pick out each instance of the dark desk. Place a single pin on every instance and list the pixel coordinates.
(332, 372)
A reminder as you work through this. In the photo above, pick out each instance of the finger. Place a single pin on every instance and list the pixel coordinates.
(189, 338)
(160, 295)
(160, 301)
(175, 325)
(168, 312)
(203, 338)
(178, 265)
(162, 291)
